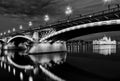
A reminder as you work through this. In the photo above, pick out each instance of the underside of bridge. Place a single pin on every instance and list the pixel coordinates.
(18, 40)
(84, 31)
(1, 41)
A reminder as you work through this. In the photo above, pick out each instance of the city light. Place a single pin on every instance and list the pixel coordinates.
(1, 34)
(14, 71)
(20, 27)
(14, 29)
(8, 31)
(46, 18)
(68, 10)
(4, 33)
(30, 78)
(21, 75)
(30, 23)
(9, 68)
(107, 1)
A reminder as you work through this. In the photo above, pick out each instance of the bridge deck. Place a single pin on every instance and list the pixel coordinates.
(109, 14)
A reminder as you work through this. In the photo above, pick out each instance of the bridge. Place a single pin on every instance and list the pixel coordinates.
(61, 31)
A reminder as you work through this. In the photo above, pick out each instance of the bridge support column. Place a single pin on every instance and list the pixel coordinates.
(36, 36)
(47, 47)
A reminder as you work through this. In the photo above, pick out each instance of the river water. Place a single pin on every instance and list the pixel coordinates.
(81, 63)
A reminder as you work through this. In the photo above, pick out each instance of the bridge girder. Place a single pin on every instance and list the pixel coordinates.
(19, 39)
(71, 32)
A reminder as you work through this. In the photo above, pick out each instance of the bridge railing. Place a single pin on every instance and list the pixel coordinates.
(110, 10)
(70, 20)
(80, 17)
(115, 9)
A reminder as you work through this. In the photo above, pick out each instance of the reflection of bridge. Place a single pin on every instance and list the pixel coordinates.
(64, 30)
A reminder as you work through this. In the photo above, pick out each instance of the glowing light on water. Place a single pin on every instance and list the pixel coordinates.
(14, 71)
(45, 60)
(21, 76)
(104, 49)
(4, 65)
(1, 64)
(30, 78)
(9, 68)
(56, 58)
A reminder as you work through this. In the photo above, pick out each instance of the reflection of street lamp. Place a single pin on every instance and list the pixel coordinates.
(68, 11)
(14, 30)
(20, 27)
(8, 31)
(46, 18)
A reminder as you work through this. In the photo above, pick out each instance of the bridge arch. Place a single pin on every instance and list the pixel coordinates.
(84, 29)
(1, 41)
(20, 38)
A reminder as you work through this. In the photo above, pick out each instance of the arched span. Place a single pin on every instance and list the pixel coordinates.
(83, 29)
(1, 41)
(27, 67)
(20, 36)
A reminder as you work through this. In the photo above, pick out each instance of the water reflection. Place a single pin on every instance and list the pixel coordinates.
(91, 49)
(104, 49)
(22, 59)
(79, 48)
(56, 58)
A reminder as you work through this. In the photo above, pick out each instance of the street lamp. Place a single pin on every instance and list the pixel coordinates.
(8, 31)
(14, 30)
(20, 27)
(46, 18)
(4, 33)
(1, 34)
(68, 11)
(30, 24)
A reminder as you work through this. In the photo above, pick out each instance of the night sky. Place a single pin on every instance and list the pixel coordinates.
(19, 12)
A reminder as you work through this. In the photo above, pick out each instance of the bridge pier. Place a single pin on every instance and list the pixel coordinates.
(47, 47)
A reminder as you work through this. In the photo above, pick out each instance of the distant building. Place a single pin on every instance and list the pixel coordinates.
(104, 40)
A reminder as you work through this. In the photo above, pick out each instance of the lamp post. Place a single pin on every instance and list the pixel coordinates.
(68, 11)
(46, 18)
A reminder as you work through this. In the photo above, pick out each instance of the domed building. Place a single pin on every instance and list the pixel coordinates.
(104, 40)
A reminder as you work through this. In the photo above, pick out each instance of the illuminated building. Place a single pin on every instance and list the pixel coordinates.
(104, 40)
